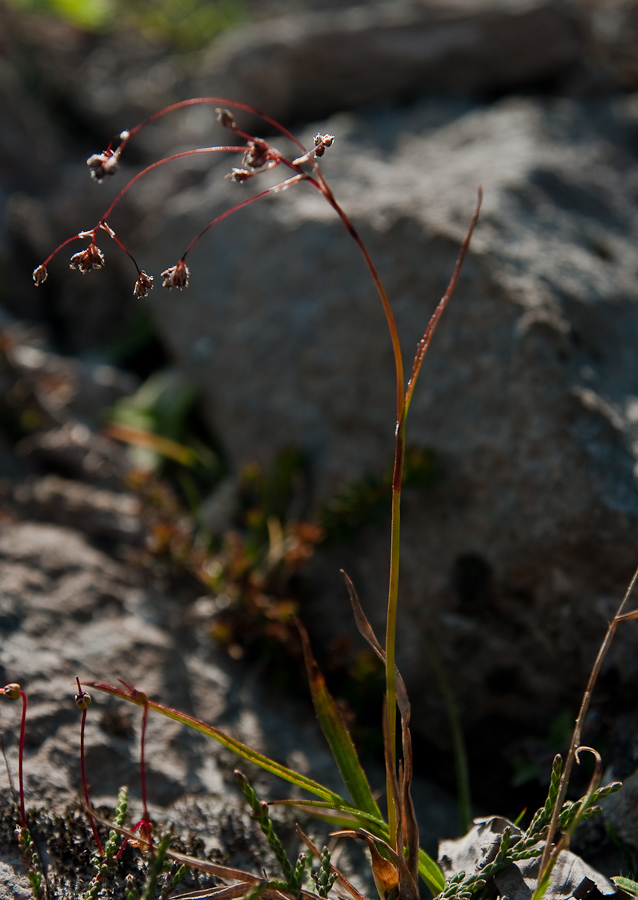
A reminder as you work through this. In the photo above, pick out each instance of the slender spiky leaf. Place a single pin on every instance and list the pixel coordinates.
(231, 743)
(337, 734)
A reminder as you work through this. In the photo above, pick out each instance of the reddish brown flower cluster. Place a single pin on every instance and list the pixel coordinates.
(258, 156)
(40, 275)
(322, 142)
(90, 258)
(239, 175)
(176, 276)
(102, 165)
(226, 118)
(143, 285)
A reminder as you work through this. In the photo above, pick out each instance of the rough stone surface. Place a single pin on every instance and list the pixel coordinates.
(68, 609)
(514, 561)
(620, 811)
(518, 880)
(314, 63)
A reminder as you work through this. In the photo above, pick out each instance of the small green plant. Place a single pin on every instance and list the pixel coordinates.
(398, 862)
(185, 24)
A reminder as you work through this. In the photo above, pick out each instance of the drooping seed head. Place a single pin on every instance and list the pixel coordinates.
(143, 285)
(40, 275)
(239, 175)
(102, 165)
(226, 118)
(176, 277)
(257, 154)
(321, 142)
(90, 258)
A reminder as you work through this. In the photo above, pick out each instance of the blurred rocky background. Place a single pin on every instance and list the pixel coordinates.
(227, 447)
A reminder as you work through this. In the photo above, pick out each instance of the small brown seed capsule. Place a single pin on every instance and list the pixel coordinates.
(226, 118)
(40, 275)
(12, 691)
(83, 700)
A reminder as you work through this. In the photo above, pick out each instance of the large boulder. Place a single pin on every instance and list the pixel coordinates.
(513, 562)
(316, 62)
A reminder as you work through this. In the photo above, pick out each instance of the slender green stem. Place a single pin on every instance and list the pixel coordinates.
(399, 453)
(321, 185)
(391, 621)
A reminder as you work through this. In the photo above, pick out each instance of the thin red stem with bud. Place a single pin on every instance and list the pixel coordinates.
(145, 825)
(23, 725)
(83, 701)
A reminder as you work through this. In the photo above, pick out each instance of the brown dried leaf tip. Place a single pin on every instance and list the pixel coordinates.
(91, 258)
(176, 276)
(40, 275)
(143, 285)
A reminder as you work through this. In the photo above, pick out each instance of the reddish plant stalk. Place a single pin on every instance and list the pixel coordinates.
(145, 825)
(143, 764)
(572, 755)
(161, 162)
(23, 724)
(83, 701)
(271, 190)
(194, 101)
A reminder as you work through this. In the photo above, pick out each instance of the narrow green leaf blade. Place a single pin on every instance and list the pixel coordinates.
(307, 784)
(337, 734)
(343, 816)
(431, 873)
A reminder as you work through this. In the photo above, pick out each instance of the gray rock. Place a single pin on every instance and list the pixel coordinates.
(620, 812)
(311, 64)
(103, 513)
(571, 876)
(68, 609)
(514, 561)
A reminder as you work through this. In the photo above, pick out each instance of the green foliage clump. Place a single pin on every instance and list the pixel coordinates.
(186, 24)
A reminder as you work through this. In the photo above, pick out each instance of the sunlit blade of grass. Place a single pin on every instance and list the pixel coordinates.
(337, 734)
(147, 440)
(307, 784)
(431, 873)
(343, 816)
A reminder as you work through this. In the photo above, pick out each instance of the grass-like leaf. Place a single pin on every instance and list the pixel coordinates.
(283, 772)
(430, 872)
(428, 869)
(337, 735)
